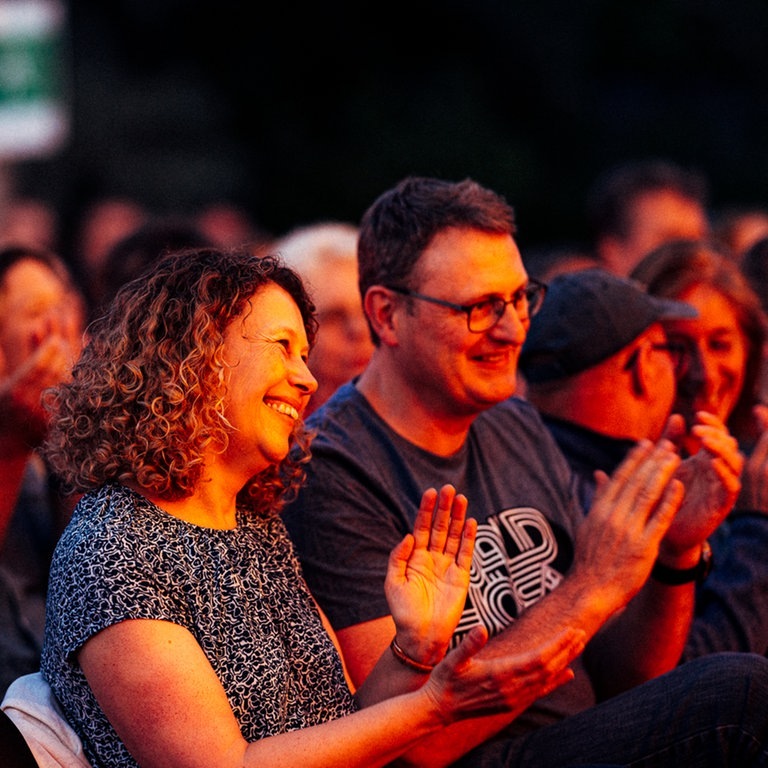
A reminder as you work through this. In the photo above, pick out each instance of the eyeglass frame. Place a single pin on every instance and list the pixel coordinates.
(539, 288)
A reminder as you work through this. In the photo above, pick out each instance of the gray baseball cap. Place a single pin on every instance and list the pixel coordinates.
(587, 316)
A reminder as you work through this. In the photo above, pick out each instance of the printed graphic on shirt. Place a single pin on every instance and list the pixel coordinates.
(513, 567)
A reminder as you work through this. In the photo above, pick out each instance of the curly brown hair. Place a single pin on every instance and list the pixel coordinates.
(146, 397)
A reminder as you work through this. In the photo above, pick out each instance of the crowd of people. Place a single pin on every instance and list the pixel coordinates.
(387, 492)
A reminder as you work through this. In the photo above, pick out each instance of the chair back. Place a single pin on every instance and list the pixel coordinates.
(30, 706)
(14, 750)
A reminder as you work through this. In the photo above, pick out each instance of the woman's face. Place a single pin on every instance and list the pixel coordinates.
(718, 352)
(269, 384)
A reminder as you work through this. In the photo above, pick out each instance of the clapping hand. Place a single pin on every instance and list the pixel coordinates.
(712, 482)
(428, 574)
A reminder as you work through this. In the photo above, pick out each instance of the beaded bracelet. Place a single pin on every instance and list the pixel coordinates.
(406, 660)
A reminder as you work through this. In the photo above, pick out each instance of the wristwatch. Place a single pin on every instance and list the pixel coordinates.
(675, 576)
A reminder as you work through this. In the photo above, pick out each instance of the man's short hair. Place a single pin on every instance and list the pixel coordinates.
(400, 224)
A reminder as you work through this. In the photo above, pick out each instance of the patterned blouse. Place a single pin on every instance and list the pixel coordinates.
(240, 592)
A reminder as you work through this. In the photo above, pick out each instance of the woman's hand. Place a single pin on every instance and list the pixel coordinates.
(474, 680)
(428, 575)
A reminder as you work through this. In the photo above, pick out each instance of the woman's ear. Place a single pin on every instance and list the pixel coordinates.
(379, 305)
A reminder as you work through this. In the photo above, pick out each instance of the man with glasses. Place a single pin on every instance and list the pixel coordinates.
(449, 305)
(602, 374)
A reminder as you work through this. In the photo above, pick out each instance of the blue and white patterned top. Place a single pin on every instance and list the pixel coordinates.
(240, 592)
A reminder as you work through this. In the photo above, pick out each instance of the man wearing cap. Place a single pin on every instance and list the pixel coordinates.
(599, 392)
(449, 304)
(598, 352)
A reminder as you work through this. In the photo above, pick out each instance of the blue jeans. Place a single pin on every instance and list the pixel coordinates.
(712, 711)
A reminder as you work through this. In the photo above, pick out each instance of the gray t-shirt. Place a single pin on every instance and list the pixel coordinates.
(364, 484)
(239, 592)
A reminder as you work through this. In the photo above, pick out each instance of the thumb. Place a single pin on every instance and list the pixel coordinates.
(472, 643)
(675, 429)
(398, 557)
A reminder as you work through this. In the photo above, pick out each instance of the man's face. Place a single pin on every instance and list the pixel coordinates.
(661, 373)
(343, 346)
(456, 372)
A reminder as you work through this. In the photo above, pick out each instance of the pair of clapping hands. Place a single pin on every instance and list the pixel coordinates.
(654, 502)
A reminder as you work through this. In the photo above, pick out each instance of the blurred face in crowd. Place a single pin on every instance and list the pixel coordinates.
(717, 348)
(656, 218)
(40, 333)
(343, 345)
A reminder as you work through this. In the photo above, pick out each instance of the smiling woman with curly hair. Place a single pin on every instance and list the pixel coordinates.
(179, 628)
(146, 399)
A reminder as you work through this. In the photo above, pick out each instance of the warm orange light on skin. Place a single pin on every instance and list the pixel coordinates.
(718, 354)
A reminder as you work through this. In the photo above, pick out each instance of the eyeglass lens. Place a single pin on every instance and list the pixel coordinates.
(526, 302)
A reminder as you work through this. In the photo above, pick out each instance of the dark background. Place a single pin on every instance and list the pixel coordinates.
(301, 112)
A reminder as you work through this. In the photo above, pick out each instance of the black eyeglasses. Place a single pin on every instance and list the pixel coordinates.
(483, 315)
(677, 351)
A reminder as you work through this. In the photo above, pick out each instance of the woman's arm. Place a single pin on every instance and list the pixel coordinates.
(161, 695)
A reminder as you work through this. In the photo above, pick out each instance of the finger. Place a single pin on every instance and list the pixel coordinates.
(422, 525)
(457, 525)
(441, 520)
(472, 643)
(730, 480)
(707, 418)
(642, 491)
(675, 429)
(610, 491)
(467, 548)
(565, 646)
(398, 559)
(721, 446)
(713, 433)
(665, 510)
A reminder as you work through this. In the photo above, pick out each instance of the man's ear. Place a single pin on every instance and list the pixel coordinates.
(642, 385)
(379, 304)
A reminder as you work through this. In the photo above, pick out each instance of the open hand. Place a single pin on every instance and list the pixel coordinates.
(428, 574)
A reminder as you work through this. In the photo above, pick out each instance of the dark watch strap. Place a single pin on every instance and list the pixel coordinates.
(675, 576)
